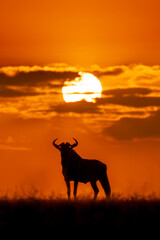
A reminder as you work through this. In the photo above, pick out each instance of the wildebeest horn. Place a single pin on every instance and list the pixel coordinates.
(75, 144)
(54, 144)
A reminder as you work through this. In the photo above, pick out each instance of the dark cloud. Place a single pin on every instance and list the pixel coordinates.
(113, 72)
(30, 80)
(76, 107)
(130, 101)
(36, 78)
(131, 97)
(11, 93)
(134, 128)
(128, 91)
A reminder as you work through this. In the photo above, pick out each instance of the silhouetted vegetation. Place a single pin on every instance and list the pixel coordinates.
(115, 217)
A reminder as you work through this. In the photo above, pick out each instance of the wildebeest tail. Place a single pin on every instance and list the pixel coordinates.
(105, 184)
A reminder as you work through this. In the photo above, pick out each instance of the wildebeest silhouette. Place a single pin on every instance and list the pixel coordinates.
(77, 169)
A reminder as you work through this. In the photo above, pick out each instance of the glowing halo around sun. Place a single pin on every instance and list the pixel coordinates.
(85, 87)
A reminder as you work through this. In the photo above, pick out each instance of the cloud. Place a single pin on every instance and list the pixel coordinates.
(135, 128)
(122, 89)
(130, 76)
(37, 78)
(6, 92)
(76, 107)
(128, 91)
(137, 97)
(130, 101)
(114, 71)
(32, 81)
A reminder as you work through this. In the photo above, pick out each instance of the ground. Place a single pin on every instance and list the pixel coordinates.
(49, 217)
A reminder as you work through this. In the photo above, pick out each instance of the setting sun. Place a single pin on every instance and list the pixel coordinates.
(85, 87)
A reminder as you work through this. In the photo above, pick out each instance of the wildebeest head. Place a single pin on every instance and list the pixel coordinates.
(65, 146)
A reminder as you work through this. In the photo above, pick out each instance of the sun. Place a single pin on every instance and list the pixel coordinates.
(85, 87)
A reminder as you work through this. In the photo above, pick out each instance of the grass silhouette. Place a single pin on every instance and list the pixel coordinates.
(115, 216)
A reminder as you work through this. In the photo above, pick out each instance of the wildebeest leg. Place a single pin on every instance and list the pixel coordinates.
(68, 188)
(75, 189)
(95, 188)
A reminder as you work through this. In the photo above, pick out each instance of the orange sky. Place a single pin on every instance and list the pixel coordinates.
(44, 43)
(82, 33)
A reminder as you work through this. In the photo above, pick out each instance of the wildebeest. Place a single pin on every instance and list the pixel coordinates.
(77, 169)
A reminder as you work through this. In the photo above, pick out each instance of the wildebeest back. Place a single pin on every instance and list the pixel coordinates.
(84, 170)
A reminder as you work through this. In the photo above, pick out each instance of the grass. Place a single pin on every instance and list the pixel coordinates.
(115, 216)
